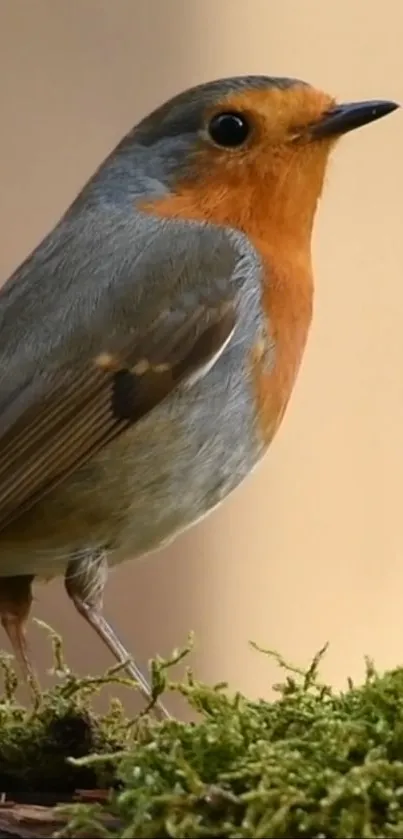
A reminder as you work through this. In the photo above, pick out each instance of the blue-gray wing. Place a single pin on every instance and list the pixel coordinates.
(99, 325)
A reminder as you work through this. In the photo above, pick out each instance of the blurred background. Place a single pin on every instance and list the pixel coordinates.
(310, 549)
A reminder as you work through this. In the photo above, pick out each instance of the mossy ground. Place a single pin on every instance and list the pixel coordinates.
(311, 763)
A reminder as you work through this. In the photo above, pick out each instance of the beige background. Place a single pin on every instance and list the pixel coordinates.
(311, 548)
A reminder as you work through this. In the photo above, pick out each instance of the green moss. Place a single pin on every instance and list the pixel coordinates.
(311, 763)
(36, 743)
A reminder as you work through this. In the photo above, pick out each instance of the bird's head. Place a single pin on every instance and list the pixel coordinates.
(250, 151)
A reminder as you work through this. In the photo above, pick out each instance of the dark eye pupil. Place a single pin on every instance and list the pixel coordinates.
(229, 130)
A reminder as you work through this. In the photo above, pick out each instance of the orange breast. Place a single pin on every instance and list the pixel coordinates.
(287, 294)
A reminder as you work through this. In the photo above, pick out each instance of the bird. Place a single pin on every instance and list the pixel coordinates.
(150, 343)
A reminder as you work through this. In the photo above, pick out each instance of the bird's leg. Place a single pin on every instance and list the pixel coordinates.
(85, 580)
(15, 605)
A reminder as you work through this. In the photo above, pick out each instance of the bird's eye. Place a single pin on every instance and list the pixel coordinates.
(229, 129)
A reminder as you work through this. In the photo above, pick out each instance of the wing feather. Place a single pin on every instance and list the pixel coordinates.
(100, 358)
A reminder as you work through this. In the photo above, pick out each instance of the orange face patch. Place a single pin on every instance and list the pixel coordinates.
(268, 187)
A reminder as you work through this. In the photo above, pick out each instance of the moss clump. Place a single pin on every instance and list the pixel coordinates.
(36, 744)
(310, 763)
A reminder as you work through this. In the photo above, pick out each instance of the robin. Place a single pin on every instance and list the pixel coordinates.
(151, 342)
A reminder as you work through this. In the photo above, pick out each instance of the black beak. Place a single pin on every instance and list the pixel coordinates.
(351, 115)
